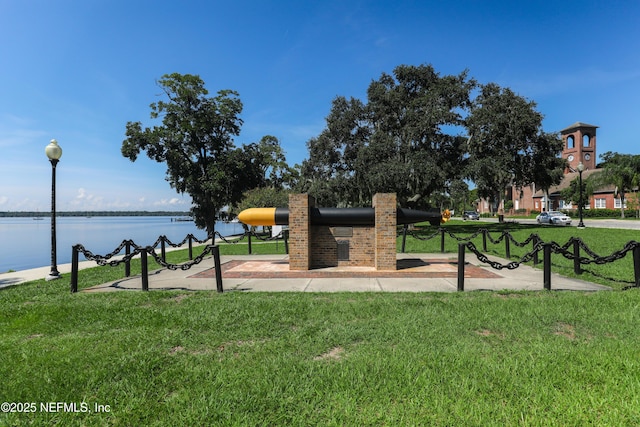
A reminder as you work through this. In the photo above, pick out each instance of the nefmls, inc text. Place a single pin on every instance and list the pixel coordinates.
(73, 407)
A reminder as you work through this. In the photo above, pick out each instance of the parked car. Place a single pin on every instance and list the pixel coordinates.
(470, 215)
(554, 218)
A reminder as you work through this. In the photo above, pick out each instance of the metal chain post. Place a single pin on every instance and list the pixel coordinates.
(145, 268)
(576, 257)
(461, 262)
(636, 263)
(74, 269)
(547, 265)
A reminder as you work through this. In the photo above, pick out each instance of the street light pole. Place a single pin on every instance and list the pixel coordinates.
(53, 152)
(580, 169)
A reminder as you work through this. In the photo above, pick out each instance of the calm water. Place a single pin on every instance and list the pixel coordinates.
(26, 243)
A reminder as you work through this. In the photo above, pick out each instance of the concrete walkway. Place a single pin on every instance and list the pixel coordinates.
(17, 277)
(436, 273)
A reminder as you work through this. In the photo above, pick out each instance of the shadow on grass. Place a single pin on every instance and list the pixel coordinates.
(470, 228)
(630, 283)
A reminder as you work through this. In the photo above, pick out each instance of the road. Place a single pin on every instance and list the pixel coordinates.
(595, 223)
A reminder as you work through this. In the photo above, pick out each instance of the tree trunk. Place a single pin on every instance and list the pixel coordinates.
(211, 225)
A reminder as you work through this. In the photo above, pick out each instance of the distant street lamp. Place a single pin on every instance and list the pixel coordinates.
(53, 152)
(580, 169)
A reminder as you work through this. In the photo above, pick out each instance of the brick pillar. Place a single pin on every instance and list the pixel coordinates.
(299, 231)
(385, 230)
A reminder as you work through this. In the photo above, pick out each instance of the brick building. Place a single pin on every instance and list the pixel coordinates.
(579, 141)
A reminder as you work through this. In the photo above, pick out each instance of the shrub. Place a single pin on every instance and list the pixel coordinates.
(601, 213)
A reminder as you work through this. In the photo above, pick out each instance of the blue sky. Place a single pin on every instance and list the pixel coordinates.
(78, 71)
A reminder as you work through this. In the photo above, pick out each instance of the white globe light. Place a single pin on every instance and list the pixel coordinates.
(53, 150)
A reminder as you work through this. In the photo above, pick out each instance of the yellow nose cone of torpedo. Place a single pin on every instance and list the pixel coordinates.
(446, 216)
(258, 216)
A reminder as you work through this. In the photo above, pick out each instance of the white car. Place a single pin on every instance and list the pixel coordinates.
(553, 217)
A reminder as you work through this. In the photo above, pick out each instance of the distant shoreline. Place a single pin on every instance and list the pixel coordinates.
(29, 214)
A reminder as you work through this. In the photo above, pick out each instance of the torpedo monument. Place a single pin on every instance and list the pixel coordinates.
(336, 237)
(335, 216)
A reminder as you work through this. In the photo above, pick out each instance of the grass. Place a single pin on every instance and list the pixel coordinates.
(202, 358)
(604, 242)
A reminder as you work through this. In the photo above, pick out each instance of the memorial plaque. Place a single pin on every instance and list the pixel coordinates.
(343, 231)
(343, 250)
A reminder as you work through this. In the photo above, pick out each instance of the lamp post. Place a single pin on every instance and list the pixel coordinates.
(53, 152)
(580, 169)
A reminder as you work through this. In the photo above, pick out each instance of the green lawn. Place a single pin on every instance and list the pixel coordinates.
(602, 241)
(203, 358)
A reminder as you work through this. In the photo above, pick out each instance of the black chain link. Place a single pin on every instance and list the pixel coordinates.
(414, 235)
(495, 241)
(104, 260)
(185, 266)
(495, 264)
(533, 237)
(267, 239)
(463, 239)
(231, 242)
(615, 256)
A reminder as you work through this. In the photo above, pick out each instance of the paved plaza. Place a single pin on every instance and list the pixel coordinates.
(415, 273)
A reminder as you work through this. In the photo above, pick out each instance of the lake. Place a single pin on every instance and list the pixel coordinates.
(26, 243)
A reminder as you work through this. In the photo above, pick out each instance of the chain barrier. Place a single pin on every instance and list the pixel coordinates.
(414, 235)
(231, 242)
(463, 239)
(247, 234)
(471, 237)
(569, 250)
(104, 259)
(533, 237)
(185, 266)
(588, 250)
(499, 266)
(596, 259)
(563, 250)
(267, 239)
(495, 241)
(177, 245)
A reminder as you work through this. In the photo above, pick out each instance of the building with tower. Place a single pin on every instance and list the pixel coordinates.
(579, 146)
(579, 141)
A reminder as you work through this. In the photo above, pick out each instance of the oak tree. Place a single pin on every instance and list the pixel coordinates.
(507, 145)
(195, 141)
(621, 171)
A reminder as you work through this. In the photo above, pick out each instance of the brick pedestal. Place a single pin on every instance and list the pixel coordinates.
(314, 246)
(385, 231)
(299, 231)
(324, 246)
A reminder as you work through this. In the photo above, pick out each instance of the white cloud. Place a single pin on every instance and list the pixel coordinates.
(87, 201)
(173, 202)
(81, 193)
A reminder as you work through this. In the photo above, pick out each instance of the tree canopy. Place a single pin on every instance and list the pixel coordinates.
(195, 141)
(621, 171)
(421, 135)
(405, 139)
(507, 145)
(572, 193)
